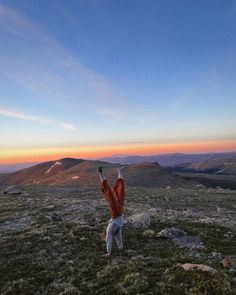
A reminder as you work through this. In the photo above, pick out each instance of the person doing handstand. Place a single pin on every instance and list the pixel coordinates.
(115, 198)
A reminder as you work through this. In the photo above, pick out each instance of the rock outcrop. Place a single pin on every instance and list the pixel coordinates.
(171, 233)
(11, 191)
(181, 239)
(140, 220)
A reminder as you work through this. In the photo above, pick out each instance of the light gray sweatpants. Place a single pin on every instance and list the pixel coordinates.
(113, 230)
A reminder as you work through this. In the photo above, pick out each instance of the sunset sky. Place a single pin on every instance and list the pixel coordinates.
(100, 77)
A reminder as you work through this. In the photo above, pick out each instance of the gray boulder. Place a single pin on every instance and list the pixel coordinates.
(139, 220)
(180, 238)
(191, 242)
(11, 191)
(171, 233)
(153, 212)
(16, 224)
(149, 233)
(82, 212)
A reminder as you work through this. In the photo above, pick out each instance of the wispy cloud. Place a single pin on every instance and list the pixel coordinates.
(68, 126)
(11, 21)
(44, 66)
(22, 116)
(41, 120)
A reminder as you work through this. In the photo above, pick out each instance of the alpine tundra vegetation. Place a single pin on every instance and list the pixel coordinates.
(177, 241)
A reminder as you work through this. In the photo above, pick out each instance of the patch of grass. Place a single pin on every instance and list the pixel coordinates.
(215, 237)
(178, 281)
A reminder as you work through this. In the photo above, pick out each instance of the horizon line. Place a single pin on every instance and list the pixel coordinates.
(115, 156)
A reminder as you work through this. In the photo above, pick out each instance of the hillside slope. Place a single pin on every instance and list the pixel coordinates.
(223, 165)
(38, 173)
(84, 172)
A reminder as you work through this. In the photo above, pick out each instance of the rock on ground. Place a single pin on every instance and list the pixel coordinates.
(153, 212)
(180, 238)
(140, 220)
(171, 233)
(148, 233)
(79, 212)
(192, 242)
(17, 224)
(202, 267)
(11, 191)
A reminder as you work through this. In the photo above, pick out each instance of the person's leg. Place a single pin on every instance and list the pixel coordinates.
(113, 203)
(109, 233)
(119, 239)
(119, 186)
(119, 190)
(108, 194)
(102, 177)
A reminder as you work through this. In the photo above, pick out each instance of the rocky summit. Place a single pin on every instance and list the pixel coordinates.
(176, 241)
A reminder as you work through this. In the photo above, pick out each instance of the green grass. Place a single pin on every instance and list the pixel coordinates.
(59, 257)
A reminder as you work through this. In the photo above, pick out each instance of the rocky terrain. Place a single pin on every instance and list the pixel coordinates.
(210, 180)
(177, 241)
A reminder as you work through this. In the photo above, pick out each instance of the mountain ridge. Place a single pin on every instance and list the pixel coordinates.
(69, 171)
(166, 160)
(221, 165)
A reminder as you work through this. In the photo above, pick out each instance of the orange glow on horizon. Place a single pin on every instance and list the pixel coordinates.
(44, 154)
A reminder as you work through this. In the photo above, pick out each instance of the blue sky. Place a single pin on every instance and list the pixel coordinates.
(77, 73)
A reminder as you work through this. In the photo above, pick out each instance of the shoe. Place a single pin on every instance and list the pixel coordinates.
(123, 167)
(100, 169)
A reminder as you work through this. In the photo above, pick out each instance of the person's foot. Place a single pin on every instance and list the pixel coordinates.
(122, 168)
(100, 169)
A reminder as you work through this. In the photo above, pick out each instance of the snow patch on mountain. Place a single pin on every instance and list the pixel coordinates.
(50, 169)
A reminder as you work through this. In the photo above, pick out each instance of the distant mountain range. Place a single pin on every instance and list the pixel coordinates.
(69, 171)
(166, 160)
(8, 168)
(219, 165)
